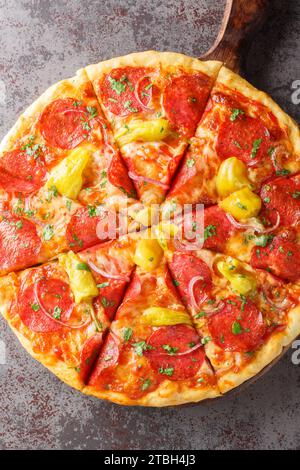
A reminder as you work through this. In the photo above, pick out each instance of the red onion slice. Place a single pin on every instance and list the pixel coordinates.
(191, 291)
(213, 309)
(121, 277)
(281, 305)
(147, 180)
(136, 93)
(253, 227)
(38, 300)
(180, 245)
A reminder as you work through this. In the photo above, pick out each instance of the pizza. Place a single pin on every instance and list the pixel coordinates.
(150, 230)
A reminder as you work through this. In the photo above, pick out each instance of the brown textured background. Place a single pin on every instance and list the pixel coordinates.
(44, 41)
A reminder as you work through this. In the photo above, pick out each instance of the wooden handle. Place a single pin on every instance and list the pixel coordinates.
(242, 19)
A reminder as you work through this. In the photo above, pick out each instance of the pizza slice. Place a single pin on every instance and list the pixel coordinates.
(60, 172)
(152, 355)
(154, 102)
(245, 316)
(61, 310)
(244, 137)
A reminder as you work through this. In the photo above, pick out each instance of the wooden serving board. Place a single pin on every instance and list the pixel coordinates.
(241, 21)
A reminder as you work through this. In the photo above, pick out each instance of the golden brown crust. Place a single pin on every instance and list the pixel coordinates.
(154, 59)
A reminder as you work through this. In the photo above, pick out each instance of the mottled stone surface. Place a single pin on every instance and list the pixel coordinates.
(43, 41)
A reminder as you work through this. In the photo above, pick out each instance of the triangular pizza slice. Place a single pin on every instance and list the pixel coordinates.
(154, 102)
(60, 175)
(153, 355)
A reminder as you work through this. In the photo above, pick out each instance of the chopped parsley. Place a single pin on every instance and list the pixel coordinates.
(205, 340)
(82, 267)
(167, 371)
(146, 384)
(48, 232)
(57, 313)
(210, 231)
(241, 206)
(118, 86)
(102, 285)
(140, 347)
(127, 105)
(170, 349)
(235, 113)
(263, 240)
(236, 328)
(35, 307)
(127, 334)
(92, 210)
(283, 172)
(200, 314)
(296, 195)
(255, 147)
(176, 283)
(190, 163)
(92, 110)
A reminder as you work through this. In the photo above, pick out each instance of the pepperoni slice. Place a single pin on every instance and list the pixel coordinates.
(180, 338)
(185, 266)
(282, 195)
(108, 358)
(20, 244)
(110, 295)
(118, 90)
(281, 256)
(50, 294)
(237, 326)
(82, 229)
(217, 229)
(118, 176)
(64, 123)
(246, 138)
(89, 354)
(184, 100)
(22, 171)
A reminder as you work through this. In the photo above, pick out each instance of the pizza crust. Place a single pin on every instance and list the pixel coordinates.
(154, 59)
(235, 82)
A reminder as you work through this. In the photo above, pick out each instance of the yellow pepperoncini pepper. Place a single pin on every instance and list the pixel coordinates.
(165, 231)
(242, 204)
(146, 131)
(67, 175)
(241, 281)
(148, 254)
(232, 175)
(159, 316)
(82, 283)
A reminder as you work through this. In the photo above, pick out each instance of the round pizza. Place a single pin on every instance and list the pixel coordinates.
(150, 230)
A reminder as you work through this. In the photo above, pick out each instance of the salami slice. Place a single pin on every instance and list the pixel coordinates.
(118, 176)
(121, 90)
(282, 196)
(217, 229)
(50, 294)
(245, 137)
(110, 295)
(88, 355)
(281, 255)
(20, 244)
(237, 326)
(184, 100)
(186, 266)
(108, 358)
(22, 171)
(176, 339)
(64, 123)
(82, 229)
